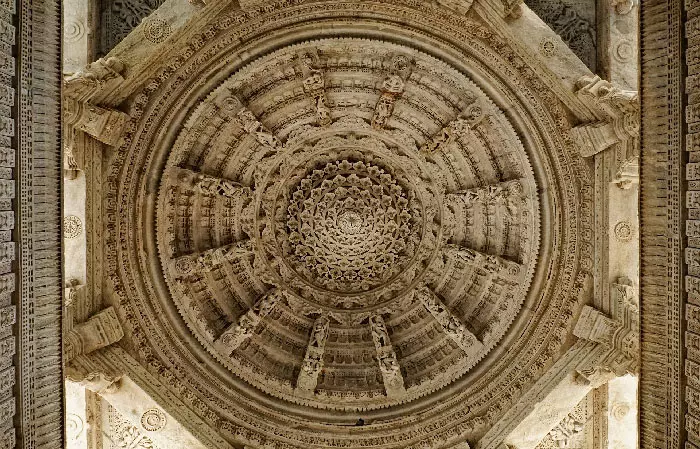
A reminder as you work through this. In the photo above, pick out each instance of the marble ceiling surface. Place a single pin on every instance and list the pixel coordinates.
(325, 211)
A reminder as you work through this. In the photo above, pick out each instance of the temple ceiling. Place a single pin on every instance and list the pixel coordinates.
(322, 212)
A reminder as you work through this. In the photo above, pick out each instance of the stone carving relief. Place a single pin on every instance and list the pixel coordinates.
(103, 329)
(119, 17)
(124, 434)
(343, 219)
(309, 194)
(574, 22)
(153, 420)
(616, 126)
(388, 363)
(313, 361)
(156, 30)
(72, 226)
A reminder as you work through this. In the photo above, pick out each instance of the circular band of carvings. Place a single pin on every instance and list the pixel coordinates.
(153, 420)
(480, 399)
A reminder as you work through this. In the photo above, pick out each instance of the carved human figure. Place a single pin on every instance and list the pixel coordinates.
(265, 305)
(245, 328)
(323, 112)
(384, 109)
(314, 82)
(379, 332)
(393, 84)
(318, 333)
(312, 365)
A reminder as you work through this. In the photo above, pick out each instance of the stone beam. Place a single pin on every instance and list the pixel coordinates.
(313, 361)
(208, 185)
(603, 352)
(104, 124)
(234, 335)
(210, 259)
(101, 330)
(453, 327)
(153, 407)
(386, 357)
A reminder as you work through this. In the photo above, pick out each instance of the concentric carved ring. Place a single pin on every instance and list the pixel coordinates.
(349, 221)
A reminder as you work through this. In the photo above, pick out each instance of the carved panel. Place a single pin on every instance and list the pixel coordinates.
(348, 220)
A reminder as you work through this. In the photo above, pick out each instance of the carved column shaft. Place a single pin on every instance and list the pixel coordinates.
(234, 335)
(313, 361)
(388, 363)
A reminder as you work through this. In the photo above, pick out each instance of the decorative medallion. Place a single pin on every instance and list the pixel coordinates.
(73, 30)
(72, 226)
(624, 232)
(153, 420)
(548, 47)
(74, 426)
(155, 29)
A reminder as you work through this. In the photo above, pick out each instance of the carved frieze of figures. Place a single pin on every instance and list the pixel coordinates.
(563, 434)
(388, 363)
(510, 194)
(238, 332)
(313, 360)
(487, 262)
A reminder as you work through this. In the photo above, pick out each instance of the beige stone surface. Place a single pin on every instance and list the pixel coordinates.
(353, 224)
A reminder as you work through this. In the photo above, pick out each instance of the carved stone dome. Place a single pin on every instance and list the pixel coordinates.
(305, 227)
(344, 220)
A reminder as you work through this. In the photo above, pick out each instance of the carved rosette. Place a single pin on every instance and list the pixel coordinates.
(292, 198)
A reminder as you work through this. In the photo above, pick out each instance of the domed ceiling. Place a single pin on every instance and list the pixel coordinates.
(404, 265)
(306, 227)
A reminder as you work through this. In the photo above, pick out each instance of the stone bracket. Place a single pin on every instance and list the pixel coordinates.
(101, 330)
(105, 125)
(243, 329)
